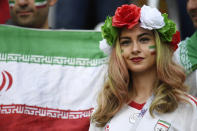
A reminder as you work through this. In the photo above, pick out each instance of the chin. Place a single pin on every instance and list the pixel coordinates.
(25, 25)
(142, 68)
(137, 69)
(195, 25)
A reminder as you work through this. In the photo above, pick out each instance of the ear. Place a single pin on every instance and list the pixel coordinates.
(52, 2)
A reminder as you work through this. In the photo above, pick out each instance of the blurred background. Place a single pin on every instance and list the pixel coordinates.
(90, 14)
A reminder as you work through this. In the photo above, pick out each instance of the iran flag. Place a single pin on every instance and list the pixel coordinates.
(49, 79)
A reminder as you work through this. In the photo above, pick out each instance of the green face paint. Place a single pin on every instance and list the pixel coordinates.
(40, 3)
(152, 49)
(121, 50)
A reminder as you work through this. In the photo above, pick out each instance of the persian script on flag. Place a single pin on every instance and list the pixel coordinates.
(49, 79)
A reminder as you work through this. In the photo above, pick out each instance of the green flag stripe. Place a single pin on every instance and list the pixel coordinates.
(70, 44)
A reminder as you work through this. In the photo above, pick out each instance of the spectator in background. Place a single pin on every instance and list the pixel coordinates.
(84, 14)
(186, 54)
(186, 27)
(30, 13)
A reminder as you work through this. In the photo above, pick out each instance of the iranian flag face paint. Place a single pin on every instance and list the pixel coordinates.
(40, 3)
(152, 49)
(11, 3)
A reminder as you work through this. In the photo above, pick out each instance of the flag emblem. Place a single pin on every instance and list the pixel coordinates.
(4, 80)
(162, 126)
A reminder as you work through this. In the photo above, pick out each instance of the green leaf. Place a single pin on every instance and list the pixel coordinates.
(109, 32)
(168, 30)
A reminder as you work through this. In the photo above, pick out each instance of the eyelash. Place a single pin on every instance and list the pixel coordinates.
(144, 40)
(126, 42)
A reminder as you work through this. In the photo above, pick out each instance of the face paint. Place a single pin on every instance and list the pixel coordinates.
(40, 3)
(121, 50)
(11, 3)
(152, 49)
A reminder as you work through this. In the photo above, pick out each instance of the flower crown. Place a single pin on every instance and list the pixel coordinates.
(130, 15)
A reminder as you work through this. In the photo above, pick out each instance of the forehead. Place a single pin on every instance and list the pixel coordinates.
(193, 1)
(135, 31)
(27, 0)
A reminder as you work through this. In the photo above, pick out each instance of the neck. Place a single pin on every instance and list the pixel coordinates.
(142, 85)
(45, 25)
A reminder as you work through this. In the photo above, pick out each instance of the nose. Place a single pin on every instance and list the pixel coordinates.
(136, 48)
(191, 4)
(22, 2)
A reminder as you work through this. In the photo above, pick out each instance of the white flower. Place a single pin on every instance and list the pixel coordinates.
(151, 18)
(105, 47)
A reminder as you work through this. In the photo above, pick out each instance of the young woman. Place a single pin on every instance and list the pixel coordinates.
(144, 90)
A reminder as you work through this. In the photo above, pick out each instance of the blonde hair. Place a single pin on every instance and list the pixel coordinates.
(168, 92)
(170, 87)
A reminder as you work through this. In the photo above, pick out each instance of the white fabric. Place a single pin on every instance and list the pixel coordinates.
(184, 118)
(105, 47)
(33, 84)
(191, 81)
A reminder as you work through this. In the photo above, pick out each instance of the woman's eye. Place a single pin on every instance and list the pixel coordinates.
(144, 40)
(126, 42)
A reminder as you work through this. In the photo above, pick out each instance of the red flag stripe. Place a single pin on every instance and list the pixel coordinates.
(23, 122)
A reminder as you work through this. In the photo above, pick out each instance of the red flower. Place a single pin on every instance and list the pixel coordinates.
(175, 40)
(126, 15)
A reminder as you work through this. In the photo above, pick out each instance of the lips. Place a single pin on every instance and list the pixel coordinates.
(24, 13)
(193, 13)
(137, 59)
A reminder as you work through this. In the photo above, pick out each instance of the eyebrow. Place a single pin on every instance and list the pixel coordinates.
(126, 37)
(144, 34)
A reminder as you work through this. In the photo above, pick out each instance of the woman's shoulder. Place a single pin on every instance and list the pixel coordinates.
(93, 127)
(189, 106)
(186, 114)
(192, 100)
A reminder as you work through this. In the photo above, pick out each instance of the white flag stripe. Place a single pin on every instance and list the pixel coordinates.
(62, 87)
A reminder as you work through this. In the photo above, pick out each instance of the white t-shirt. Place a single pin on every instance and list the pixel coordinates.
(184, 118)
(127, 115)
